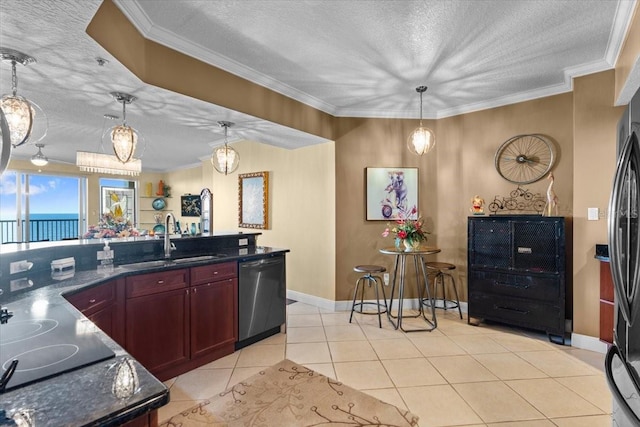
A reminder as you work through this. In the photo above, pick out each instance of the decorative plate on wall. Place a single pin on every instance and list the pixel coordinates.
(158, 204)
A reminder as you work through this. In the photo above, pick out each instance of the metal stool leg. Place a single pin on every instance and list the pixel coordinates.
(369, 280)
(353, 303)
(455, 291)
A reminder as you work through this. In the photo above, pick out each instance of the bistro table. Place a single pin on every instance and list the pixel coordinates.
(399, 273)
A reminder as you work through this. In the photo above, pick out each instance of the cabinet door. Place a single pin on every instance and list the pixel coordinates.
(213, 316)
(157, 332)
(489, 243)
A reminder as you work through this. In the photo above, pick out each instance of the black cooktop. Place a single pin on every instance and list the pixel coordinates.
(47, 341)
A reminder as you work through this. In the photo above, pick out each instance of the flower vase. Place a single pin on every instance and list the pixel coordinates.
(410, 245)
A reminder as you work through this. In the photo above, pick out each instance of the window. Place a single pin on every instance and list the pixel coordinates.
(37, 207)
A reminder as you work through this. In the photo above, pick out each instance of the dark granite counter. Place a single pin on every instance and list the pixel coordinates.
(83, 397)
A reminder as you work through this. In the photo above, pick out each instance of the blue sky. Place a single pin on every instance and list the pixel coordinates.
(48, 194)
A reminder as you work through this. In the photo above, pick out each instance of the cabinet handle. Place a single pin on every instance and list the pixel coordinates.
(160, 282)
(511, 309)
(215, 272)
(511, 285)
(195, 290)
(187, 291)
(92, 301)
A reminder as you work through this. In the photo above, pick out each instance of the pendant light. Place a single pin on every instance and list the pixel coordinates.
(39, 159)
(27, 122)
(422, 139)
(225, 159)
(99, 162)
(124, 138)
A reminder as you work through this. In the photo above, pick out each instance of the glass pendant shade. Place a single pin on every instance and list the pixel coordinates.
(421, 140)
(105, 163)
(5, 143)
(20, 116)
(39, 159)
(225, 159)
(27, 122)
(125, 140)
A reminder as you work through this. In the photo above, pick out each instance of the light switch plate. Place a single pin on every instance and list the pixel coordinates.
(593, 214)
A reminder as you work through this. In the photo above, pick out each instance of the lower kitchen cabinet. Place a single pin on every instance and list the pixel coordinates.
(158, 329)
(180, 319)
(102, 305)
(213, 324)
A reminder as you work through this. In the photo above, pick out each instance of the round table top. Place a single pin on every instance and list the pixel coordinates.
(421, 250)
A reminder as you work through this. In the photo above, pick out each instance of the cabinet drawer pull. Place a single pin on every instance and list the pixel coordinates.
(511, 309)
(92, 301)
(511, 285)
(215, 272)
(160, 282)
(195, 290)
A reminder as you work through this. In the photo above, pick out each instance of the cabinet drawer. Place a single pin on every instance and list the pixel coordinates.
(94, 299)
(517, 285)
(519, 312)
(153, 283)
(212, 272)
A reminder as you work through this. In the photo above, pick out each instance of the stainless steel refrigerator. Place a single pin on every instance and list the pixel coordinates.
(622, 363)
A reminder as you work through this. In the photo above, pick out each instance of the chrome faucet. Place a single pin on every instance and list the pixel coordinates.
(168, 246)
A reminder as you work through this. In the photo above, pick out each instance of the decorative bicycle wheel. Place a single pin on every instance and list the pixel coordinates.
(524, 159)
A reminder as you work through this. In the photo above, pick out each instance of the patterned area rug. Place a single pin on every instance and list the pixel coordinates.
(288, 394)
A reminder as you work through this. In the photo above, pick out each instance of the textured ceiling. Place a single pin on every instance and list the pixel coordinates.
(345, 57)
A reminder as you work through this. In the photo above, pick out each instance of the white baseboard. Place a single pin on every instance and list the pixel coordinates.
(586, 342)
(331, 305)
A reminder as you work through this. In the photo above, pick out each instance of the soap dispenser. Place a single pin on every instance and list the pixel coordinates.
(107, 254)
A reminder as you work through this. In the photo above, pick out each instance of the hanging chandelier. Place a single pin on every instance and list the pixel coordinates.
(225, 159)
(422, 139)
(107, 163)
(5, 143)
(124, 138)
(39, 159)
(26, 120)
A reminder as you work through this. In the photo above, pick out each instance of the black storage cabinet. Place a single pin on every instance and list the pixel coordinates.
(517, 271)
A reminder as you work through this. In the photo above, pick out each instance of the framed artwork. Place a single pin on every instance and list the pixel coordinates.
(253, 200)
(190, 205)
(121, 202)
(391, 193)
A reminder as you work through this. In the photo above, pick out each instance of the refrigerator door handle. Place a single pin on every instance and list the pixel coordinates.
(615, 391)
(625, 271)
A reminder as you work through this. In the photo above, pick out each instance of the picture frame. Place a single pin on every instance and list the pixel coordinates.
(190, 205)
(391, 193)
(253, 200)
(119, 200)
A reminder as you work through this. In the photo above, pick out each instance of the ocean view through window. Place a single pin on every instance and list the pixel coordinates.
(38, 207)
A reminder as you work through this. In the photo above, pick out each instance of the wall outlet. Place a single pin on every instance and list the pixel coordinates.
(385, 279)
(593, 214)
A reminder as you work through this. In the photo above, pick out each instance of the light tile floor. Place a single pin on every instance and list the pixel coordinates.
(457, 375)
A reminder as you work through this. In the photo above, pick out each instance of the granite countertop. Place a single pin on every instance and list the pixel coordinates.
(83, 397)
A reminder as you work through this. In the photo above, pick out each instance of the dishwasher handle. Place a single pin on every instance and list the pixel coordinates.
(260, 263)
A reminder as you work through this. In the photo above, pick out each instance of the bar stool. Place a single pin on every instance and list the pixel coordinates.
(439, 271)
(370, 280)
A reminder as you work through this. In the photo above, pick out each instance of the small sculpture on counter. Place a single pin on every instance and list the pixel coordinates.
(552, 198)
(477, 203)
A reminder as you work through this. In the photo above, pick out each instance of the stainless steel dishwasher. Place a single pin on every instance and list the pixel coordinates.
(262, 291)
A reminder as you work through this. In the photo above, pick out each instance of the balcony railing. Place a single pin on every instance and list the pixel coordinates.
(39, 230)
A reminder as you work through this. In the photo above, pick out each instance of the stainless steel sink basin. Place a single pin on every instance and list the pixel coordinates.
(147, 264)
(169, 262)
(197, 258)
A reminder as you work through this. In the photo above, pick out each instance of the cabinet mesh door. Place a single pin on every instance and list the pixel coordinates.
(491, 243)
(536, 246)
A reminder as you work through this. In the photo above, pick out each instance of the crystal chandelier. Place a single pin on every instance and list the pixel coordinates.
(422, 139)
(225, 159)
(26, 120)
(39, 159)
(124, 138)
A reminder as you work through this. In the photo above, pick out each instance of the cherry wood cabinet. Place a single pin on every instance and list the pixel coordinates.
(214, 302)
(606, 303)
(177, 320)
(102, 305)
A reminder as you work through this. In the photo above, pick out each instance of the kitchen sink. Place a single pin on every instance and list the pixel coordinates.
(169, 262)
(147, 264)
(198, 258)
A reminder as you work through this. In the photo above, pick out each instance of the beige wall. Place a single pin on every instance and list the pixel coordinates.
(460, 166)
(301, 207)
(595, 122)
